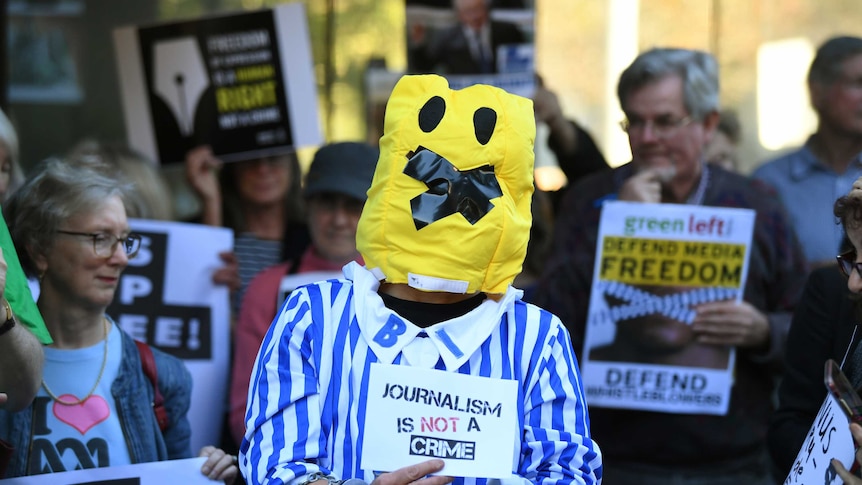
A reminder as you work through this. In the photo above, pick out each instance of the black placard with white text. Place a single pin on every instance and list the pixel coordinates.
(242, 84)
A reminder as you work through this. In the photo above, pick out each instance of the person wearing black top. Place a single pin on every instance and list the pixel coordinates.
(824, 327)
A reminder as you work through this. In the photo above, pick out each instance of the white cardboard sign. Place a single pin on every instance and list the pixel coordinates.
(655, 264)
(828, 438)
(419, 414)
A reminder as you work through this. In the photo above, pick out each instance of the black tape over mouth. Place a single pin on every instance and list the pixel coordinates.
(450, 190)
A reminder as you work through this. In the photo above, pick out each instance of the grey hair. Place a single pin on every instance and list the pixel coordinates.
(826, 66)
(56, 191)
(9, 138)
(697, 69)
(151, 198)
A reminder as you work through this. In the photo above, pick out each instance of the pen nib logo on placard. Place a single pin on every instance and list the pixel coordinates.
(180, 78)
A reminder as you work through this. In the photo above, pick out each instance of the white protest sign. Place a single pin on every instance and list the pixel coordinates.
(187, 472)
(166, 298)
(655, 263)
(416, 415)
(828, 438)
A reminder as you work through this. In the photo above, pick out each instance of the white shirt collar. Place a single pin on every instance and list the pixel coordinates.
(388, 334)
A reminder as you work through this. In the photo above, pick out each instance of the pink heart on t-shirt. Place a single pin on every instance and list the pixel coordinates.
(82, 416)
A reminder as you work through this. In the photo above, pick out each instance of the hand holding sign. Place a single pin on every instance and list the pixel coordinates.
(228, 274)
(415, 473)
(731, 323)
(219, 465)
(849, 478)
(202, 175)
(467, 421)
(828, 441)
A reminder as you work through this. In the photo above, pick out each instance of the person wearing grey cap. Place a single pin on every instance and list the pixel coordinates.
(335, 192)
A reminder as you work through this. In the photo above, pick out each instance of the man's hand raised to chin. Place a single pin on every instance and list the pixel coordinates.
(646, 185)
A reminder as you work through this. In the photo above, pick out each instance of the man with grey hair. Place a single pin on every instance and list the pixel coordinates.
(811, 178)
(670, 100)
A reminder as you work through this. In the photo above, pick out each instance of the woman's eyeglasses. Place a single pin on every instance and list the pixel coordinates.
(105, 244)
(847, 262)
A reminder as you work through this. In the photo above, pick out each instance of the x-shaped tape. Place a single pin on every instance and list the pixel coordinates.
(468, 192)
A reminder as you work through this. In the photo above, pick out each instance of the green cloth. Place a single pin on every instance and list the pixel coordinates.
(18, 291)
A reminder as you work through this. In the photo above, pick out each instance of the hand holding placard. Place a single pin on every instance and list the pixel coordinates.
(827, 441)
(849, 478)
(829, 448)
(415, 474)
(468, 422)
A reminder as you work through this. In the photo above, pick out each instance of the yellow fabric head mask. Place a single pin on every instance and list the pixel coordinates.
(449, 207)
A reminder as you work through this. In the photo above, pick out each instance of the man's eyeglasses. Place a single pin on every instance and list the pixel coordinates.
(847, 262)
(104, 244)
(662, 127)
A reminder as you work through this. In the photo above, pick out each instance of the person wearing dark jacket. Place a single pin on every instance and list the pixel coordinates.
(467, 47)
(670, 99)
(825, 326)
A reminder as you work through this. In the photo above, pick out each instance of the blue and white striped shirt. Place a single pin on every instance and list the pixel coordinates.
(307, 400)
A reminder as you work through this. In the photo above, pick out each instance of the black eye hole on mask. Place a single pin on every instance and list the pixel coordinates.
(484, 122)
(433, 111)
(432, 114)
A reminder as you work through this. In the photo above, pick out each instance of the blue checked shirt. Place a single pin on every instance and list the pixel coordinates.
(307, 397)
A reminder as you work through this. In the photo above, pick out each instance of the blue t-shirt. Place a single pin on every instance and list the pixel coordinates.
(86, 435)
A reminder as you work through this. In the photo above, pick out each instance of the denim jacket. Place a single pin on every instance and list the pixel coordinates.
(133, 394)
